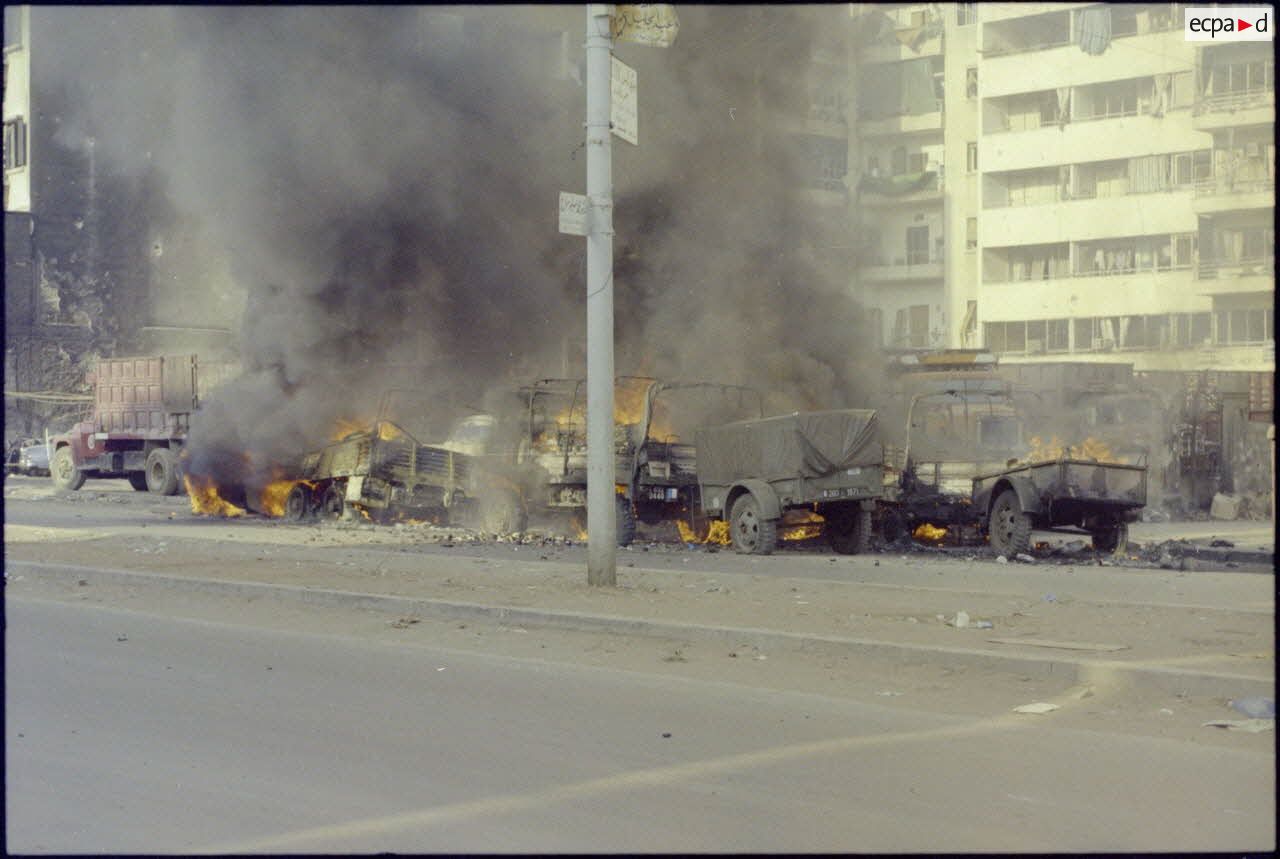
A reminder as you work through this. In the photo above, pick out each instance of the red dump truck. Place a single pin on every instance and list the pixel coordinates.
(141, 413)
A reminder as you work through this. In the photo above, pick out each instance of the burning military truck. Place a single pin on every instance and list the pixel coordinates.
(655, 465)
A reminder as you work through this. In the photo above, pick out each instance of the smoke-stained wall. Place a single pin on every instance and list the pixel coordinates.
(376, 187)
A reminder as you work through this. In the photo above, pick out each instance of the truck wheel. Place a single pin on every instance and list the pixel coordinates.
(1010, 528)
(1112, 537)
(297, 506)
(849, 531)
(752, 533)
(331, 503)
(626, 523)
(138, 480)
(64, 472)
(162, 472)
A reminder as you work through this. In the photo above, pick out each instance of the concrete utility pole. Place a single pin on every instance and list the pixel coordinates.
(602, 552)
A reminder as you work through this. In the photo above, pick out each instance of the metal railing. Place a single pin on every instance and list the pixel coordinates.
(1246, 267)
(1234, 101)
(1229, 184)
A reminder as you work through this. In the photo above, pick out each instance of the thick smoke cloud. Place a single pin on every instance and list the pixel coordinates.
(381, 184)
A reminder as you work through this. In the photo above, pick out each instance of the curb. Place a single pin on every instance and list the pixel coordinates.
(1221, 554)
(1176, 681)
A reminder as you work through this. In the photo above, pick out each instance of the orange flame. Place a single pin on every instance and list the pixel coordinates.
(344, 427)
(205, 499)
(717, 533)
(930, 533)
(800, 525)
(1047, 451)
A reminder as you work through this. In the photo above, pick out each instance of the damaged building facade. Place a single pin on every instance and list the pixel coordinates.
(1077, 182)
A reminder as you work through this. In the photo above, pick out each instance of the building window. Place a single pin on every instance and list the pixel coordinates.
(966, 14)
(1058, 334)
(1250, 325)
(971, 234)
(918, 331)
(898, 161)
(15, 143)
(971, 157)
(971, 82)
(917, 245)
(915, 162)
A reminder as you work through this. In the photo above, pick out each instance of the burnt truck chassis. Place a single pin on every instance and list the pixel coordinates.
(656, 481)
(825, 462)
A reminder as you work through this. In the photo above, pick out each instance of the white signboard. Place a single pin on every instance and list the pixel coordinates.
(573, 214)
(623, 115)
(652, 24)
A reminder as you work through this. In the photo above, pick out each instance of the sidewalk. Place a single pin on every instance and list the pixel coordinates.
(1196, 633)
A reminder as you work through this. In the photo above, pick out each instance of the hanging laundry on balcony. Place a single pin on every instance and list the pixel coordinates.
(1162, 94)
(1093, 30)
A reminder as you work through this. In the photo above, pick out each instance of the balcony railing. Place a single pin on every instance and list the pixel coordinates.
(1228, 184)
(1235, 101)
(1247, 267)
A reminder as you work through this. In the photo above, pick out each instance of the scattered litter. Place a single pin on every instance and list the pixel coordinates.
(666, 735)
(888, 694)
(122, 638)
(1165, 711)
(1082, 692)
(1252, 726)
(1001, 559)
(761, 657)
(1050, 598)
(403, 623)
(961, 620)
(912, 620)
(984, 624)
(1222, 544)
(441, 668)
(1025, 558)
(1255, 708)
(1074, 546)
(1038, 708)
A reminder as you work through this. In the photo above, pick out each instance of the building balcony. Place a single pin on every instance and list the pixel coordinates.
(1085, 140)
(992, 12)
(1046, 67)
(902, 272)
(1227, 194)
(1219, 277)
(901, 48)
(904, 124)
(1119, 292)
(1233, 110)
(921, 189)
(1090, 219)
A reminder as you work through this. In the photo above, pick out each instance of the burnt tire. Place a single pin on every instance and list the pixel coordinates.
(849, 531)
(162, 471)
(626, 520)
(138, 480)
(1009, 527)
(297, 506)
(63, 470)
(1113, 537)
(752, 534)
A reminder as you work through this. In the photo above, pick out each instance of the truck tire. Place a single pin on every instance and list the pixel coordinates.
(1112, 537)
(138, 480)
(849, 531)
(63, 470)
(752, 533)
(626, 523)
(1009, 527)
(297, 506)
(162, 471)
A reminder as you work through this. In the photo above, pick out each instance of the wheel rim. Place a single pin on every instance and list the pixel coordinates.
(1002, 524)
(747, 528)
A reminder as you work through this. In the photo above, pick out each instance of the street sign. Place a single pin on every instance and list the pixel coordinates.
(623, 114)
(652, 24)
(573, 214)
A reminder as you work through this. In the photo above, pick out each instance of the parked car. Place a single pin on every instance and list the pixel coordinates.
(28, 457)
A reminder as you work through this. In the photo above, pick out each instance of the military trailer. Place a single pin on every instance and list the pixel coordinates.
(752, 472)
(1097, 498)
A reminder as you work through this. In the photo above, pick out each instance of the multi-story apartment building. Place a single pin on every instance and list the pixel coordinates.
(1024, 194)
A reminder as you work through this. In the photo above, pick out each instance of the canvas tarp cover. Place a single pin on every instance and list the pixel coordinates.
(804, 444)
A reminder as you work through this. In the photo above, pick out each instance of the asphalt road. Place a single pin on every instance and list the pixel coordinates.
(130, 732)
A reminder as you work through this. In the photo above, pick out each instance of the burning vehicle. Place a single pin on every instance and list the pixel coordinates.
(655, 473)
(825, 464)
(138, 424)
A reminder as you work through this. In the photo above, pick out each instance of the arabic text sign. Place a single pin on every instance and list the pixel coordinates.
(623, 108)
(653, 24)
(573, 214)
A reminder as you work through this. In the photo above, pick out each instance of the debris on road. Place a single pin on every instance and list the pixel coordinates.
(1252, 726)
(1255, 708)
(1025, 558)
(961, 620)
(1037, 709)
(1224, 506)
